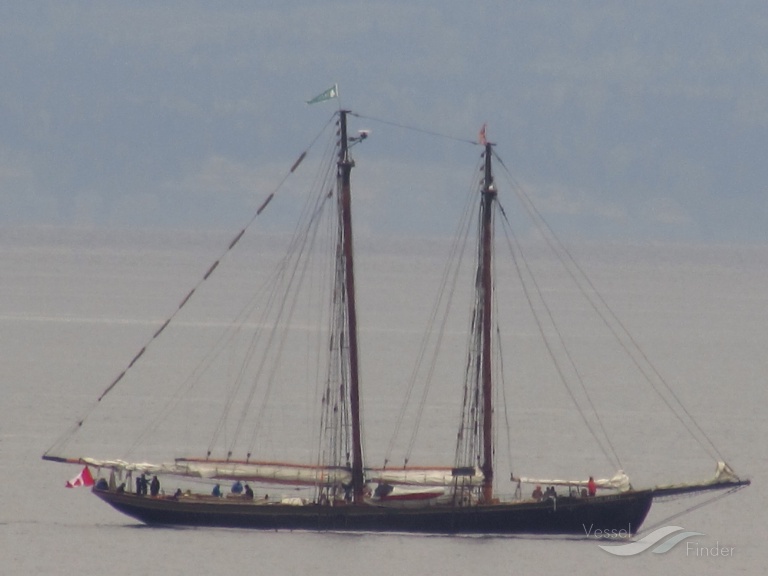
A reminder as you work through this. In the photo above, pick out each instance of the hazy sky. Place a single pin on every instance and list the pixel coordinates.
(642, 121)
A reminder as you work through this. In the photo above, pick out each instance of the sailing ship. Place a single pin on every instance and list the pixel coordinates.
(348, 494)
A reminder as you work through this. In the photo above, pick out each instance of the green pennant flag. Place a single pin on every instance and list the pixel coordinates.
(332, 92)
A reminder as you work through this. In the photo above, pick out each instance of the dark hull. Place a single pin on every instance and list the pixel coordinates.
(579, 516)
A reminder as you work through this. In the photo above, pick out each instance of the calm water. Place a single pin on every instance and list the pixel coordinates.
(75, 306)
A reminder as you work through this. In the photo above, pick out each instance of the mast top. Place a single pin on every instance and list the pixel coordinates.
(344, 158)
(488, 185)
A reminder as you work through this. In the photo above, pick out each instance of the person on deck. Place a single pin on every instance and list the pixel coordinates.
(216, 491)
(248, 493)
(237, 487)
(591, 486)
(154, 486)
(537, 493)
(141, 485)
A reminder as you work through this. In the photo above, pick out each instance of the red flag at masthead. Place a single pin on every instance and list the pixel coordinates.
(481, 136)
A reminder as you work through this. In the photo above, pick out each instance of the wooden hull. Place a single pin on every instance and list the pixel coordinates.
(576, 516)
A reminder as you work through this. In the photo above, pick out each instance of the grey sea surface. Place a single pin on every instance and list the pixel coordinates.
(77, 305)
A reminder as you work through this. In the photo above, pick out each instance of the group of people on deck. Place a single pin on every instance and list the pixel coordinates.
(146, 487)
(142, 484)
(550, 492)
(540, 495)
(238, 489)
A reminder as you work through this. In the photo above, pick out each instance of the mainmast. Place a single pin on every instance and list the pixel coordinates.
(486, 233)
(345, 164)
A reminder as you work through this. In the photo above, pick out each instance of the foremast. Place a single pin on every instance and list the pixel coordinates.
(474, 445)
(345, 165)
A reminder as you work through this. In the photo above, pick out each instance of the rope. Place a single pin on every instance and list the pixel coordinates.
(449, 276)
(416, 129)
(505, 403)
(548, 344)
(607, 315)
(64, 438)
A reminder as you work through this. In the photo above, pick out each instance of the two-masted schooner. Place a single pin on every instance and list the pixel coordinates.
(347, 493)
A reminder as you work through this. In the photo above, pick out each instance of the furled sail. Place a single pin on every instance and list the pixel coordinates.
(265, 472)
(619, 481)
(426, 476)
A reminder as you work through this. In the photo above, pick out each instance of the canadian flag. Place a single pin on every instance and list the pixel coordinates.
(82, 479)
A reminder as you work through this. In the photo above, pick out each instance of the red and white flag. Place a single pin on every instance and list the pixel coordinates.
(82, 479)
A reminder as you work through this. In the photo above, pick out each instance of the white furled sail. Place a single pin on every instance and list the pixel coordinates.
(265, 472)
(619, 481)
(426, 476)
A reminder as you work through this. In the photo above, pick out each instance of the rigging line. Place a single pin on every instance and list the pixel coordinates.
(272, 338)
(194, 376)
(304, 242)
(205, 363)
(437, 346)
(301, 271)
(459, 240)
(464, 435)
(329, 443)
(425, 341)
(468, 438)
(299, 246)
(208, 359)
(548, 345)
(690, 509)
(500, 378)
(333, 439)
(227, 338)
(499, 351)
(497, 380)
(62, 441)
(332, 435)
(274, 281)
(531, 207)
(315, 432)
(416, 129)
(294, 166)
(566, 349)
(263, 322)
(239, 381)
(341, 372)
